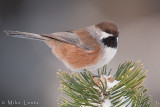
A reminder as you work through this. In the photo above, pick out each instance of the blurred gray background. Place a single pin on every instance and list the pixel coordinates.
(28, 68)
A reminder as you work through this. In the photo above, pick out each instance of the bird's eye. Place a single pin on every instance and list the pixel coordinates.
(107, 31)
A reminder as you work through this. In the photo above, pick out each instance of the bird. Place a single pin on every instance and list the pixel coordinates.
(86, 48)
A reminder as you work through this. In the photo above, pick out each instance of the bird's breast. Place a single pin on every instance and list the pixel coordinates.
(108, 54)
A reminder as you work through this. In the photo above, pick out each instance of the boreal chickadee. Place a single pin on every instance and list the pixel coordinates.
(91, 47)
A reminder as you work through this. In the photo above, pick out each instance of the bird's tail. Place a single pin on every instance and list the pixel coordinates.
(25, 35)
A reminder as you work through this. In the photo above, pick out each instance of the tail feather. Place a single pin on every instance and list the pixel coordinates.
(25, 35)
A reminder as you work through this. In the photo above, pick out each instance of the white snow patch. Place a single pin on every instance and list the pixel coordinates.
(111, 84)
(107, 103)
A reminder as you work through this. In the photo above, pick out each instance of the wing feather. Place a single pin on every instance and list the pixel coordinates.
(69, 37)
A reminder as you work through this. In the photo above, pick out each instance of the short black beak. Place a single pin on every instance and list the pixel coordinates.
(115, 35)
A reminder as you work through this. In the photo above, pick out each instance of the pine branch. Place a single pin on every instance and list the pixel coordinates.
(124, 89)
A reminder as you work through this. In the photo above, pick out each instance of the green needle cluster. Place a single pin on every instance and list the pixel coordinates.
(81, 90)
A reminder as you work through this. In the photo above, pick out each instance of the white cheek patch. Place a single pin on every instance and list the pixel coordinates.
(105, 35)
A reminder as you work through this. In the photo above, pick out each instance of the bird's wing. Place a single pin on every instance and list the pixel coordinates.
(69, 37)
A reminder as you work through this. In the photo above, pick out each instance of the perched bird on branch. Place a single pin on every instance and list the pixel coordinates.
(89, 47)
